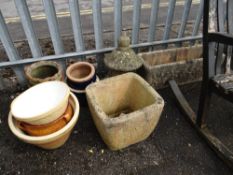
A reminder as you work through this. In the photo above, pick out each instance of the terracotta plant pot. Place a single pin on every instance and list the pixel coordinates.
(80, 75)
(53, 140)
(41, 130)
(125, 109)
(43, 71)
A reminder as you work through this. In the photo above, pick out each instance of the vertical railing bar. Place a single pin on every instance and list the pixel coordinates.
(230, 17)
(221, 16)
(230, 31)
(28, 28)
(53, 26)
(76, 24)
(11, 51)
(117, 21)
(97, 20)
(228, 60)
(198, 20)
(136, 20)
(1, 83)
(153, 20)
(169, 19)
(213, 16)
(185, 16)
(53, 29)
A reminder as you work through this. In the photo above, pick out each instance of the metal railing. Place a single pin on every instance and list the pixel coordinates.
(16, 62)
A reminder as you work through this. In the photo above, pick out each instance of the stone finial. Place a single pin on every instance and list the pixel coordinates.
(124, 40)
(123, 58)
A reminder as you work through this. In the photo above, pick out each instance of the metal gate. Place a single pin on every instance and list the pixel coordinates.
(16, 62)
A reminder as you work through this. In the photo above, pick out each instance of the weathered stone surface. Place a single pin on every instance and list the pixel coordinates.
(43, 71)
(123, 58)
(181, 64)
(125, 109)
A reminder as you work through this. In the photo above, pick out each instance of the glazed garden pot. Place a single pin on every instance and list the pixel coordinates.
(42, 103)
(125, 109)
(81, 95)
(80, 75)
(41, 130)
(51, 141)
(43, 71)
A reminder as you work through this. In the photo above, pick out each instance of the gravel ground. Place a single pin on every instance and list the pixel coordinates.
(173, 148)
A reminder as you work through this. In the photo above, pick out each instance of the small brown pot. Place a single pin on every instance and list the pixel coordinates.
(43, 71)
(41, 130)
(80, 75)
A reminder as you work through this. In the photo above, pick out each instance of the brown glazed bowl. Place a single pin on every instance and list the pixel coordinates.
(80, 75)
(41, 130)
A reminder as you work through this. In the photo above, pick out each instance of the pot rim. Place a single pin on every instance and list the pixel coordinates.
(48, 124)
(91, 95)
(75, 66)
(51, 137)
(40, 64)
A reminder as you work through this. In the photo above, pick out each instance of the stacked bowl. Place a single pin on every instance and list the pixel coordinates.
(79, 76)
(44, 115)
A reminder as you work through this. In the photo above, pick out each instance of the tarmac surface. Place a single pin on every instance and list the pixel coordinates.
(9, 10)
(65, 26)
(173, 148)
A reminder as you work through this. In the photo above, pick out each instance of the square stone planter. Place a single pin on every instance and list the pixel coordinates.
(125, 109)
(181, 64)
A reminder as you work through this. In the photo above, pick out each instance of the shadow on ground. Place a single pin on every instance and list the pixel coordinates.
(173, 148)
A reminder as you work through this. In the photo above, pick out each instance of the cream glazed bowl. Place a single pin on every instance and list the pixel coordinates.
(53, 140)
(42, 103)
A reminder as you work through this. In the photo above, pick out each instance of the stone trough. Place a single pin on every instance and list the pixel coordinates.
(181, 64)
(125, 109)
